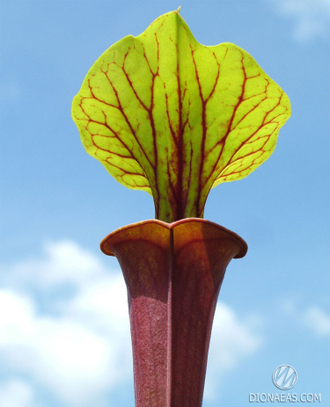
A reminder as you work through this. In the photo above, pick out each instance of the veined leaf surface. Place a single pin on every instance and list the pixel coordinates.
(175, 118)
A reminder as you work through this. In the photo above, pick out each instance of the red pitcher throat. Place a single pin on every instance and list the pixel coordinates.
(173, 272)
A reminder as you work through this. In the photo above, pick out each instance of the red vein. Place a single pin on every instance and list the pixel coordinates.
(204, 127)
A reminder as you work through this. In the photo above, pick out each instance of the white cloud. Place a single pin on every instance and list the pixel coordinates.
(16, 393)
(311, 17)
(313, 317)
(79, 347)
(66, 357)
(317, 320)
(64, 263)
(233, 339)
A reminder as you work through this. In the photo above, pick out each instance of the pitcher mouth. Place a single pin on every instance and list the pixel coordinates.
(107, 243)
(173, 273)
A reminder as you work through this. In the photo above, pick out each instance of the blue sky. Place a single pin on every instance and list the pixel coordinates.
(64, 333)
